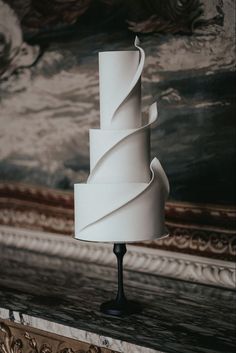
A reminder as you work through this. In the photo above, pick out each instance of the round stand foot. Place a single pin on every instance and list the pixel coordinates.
(124, 308)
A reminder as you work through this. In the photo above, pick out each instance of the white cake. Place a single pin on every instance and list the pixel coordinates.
(124, 197)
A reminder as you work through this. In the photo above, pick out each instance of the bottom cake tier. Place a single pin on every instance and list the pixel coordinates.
(122, 212)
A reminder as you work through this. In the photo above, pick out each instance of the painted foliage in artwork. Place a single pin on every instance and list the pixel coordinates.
(49, 89)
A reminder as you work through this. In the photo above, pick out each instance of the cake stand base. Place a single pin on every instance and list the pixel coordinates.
(120, 306)
(115, 308)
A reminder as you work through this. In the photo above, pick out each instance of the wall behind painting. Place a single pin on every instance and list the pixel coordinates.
(49, 95)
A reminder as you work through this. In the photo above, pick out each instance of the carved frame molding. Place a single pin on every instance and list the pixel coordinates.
(155, 261)
(15, 338)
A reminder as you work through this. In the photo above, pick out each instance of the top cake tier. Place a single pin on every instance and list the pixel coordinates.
(120, 90)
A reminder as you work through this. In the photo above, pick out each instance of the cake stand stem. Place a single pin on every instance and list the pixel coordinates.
(120, 306)
(120, 250)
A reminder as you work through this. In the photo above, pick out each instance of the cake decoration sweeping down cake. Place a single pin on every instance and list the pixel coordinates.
(124, 197)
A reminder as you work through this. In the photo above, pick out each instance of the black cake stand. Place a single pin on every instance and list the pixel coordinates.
(120, 306)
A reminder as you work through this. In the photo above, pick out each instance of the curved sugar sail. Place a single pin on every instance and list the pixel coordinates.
(133, 83)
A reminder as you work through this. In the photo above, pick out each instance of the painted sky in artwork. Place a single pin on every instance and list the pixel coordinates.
(50, 98)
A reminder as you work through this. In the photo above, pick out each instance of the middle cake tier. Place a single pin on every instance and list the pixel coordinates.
(118, 156)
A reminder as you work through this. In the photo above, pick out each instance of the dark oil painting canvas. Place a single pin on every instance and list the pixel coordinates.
(49, 89)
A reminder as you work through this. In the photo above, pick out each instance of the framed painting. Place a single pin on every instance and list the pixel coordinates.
(49, 98)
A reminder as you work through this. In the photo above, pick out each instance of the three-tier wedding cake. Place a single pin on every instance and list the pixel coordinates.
(124, 197)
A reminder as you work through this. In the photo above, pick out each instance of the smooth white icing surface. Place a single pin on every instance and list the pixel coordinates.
(116, 72)
(133, 155)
